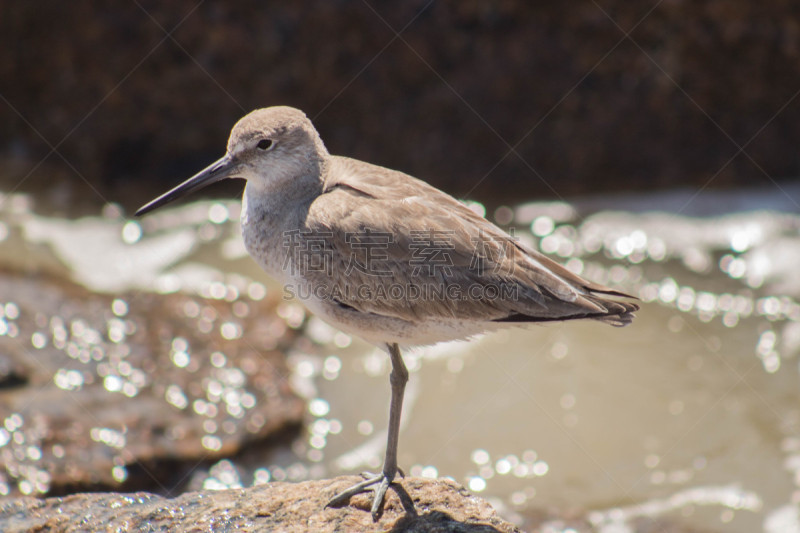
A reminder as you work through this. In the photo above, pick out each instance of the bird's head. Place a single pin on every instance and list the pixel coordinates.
(270, 148)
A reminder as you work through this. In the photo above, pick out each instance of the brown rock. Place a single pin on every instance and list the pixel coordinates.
(133, 391)
(418, 505)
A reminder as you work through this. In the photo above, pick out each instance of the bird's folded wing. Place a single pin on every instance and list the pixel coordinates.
(395, 246)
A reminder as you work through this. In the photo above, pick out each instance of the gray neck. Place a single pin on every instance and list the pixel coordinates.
(276, 199)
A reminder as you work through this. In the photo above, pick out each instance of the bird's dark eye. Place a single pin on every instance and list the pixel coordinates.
(264, 144)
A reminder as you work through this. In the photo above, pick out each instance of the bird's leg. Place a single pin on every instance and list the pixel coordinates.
(398, 379)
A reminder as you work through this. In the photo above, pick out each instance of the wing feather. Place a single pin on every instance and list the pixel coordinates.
(386, 229)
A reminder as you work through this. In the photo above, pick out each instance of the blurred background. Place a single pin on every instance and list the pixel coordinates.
(647, 145)
(491, 100)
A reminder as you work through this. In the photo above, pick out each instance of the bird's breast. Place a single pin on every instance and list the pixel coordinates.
(263, 237)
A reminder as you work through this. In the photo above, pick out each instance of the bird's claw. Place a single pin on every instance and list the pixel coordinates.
(382, 480)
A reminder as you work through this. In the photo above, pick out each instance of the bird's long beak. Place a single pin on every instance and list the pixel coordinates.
(217, 171)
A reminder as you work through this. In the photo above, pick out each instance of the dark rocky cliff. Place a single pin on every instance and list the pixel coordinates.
(592, 96)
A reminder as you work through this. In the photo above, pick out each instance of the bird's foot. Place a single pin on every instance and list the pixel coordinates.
(382, 481)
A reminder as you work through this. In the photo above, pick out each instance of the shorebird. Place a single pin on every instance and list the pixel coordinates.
(384, 256)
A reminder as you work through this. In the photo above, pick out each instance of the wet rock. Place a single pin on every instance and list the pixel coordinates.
(133, 391)
(420, 505)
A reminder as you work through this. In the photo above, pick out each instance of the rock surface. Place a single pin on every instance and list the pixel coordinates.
(133, 391)
(437, 506)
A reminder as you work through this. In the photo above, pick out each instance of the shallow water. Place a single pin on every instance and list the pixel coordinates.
(690, 414)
